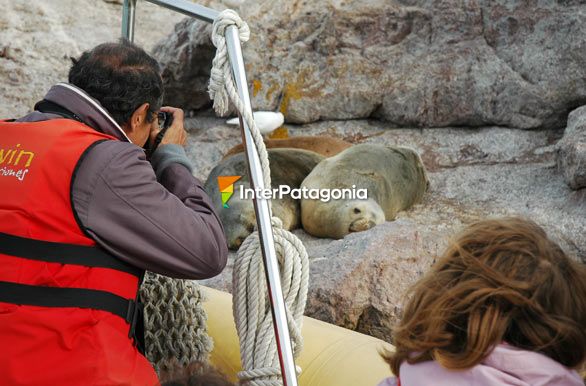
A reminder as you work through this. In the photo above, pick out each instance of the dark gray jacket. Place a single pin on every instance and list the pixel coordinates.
(155, 216)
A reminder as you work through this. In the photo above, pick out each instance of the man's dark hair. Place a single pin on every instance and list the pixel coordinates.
(121, 76)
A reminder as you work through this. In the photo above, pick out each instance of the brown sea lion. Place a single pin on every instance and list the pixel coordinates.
(288, 167)
(324, 145)
(394, 179)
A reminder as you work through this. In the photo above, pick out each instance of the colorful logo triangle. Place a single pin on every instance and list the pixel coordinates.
(226, 186)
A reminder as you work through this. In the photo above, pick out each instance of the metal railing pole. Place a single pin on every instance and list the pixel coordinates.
(263, 217)
(128, 12)
(188, 8)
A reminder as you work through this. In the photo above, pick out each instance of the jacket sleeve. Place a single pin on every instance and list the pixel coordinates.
(167, 226)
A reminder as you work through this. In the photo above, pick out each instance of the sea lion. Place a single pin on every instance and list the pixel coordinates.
(288, 167)
(321, 144)
(394, 178)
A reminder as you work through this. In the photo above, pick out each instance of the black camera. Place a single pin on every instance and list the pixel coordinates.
(165, 120)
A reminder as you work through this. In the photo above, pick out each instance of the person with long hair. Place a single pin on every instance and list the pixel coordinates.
(504, 305)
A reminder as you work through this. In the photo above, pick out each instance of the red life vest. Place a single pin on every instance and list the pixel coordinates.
(66, 306)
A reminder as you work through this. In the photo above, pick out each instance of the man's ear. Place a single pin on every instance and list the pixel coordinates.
(139, 116)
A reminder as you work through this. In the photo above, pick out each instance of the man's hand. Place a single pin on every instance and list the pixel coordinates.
(176, 133)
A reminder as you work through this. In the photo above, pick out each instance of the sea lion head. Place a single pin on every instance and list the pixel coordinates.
(238, 234)
(364, 214)
(355, 216)
(239, 221)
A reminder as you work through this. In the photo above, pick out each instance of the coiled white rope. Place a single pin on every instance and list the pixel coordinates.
(252, 313)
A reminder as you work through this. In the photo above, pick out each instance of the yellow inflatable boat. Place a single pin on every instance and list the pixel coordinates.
(331, 356)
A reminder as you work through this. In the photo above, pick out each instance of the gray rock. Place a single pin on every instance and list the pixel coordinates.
(363, 279)
(188, 46)
(359, 282)
(410, 62)
(572, 152)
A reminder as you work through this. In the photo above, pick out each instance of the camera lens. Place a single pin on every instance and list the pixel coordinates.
(161, 116)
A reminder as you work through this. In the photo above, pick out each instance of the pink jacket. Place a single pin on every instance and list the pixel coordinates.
(505, 366)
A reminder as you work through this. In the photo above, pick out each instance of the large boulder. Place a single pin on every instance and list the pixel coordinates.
(572, 153)
(413, 63)
(186, 59)
(363, 278)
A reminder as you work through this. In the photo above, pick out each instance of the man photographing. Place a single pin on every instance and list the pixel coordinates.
(83, 214)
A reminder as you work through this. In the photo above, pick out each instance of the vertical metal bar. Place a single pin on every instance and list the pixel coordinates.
(263, 219)
(128, 12)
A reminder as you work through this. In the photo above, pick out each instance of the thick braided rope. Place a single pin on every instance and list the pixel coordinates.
(252, 313)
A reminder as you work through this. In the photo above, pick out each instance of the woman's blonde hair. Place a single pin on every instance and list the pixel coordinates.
(499, 281)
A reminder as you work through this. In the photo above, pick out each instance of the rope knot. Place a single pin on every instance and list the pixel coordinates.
(218, 88)
(227, 18)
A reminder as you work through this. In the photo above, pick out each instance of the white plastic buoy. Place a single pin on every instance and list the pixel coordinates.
(266, 121)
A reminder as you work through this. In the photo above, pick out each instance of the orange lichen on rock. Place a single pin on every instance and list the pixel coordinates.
(280, 133)
(256, 86)
(296, 90)
(274, 87)
(290, 91)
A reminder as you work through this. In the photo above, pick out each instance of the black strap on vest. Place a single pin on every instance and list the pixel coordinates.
(32, 295)
(63, 253)
(131, 310)
(49, 107)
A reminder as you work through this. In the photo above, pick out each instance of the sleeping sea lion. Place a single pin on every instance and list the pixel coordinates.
(394, 178)
(324, 145)
(288, 167)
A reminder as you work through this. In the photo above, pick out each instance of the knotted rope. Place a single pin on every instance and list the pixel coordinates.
(251, 307)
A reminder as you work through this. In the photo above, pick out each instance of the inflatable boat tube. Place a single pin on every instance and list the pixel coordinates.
(331, 356)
